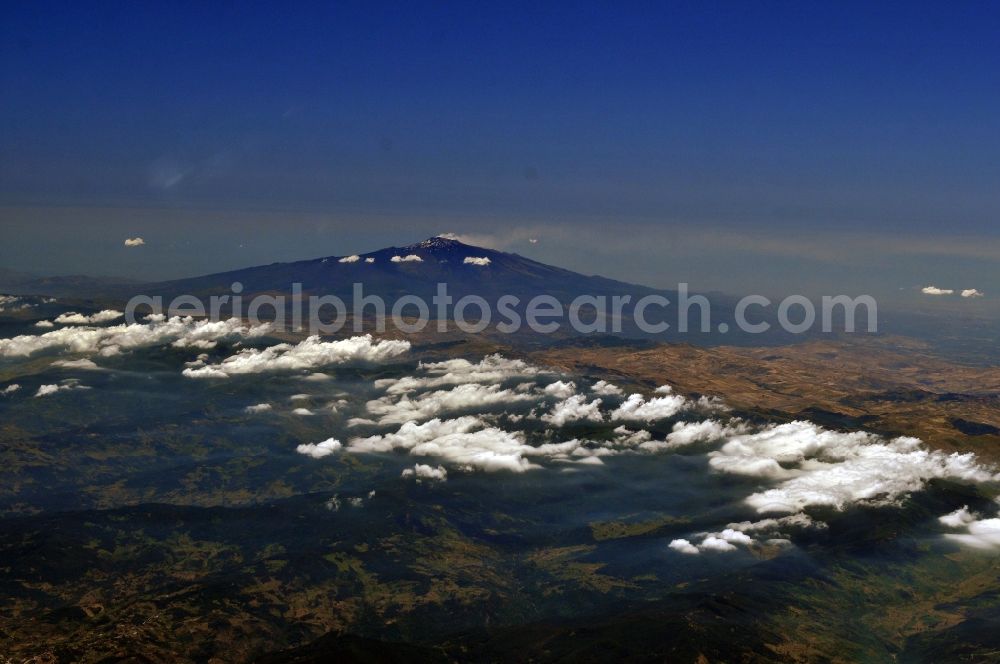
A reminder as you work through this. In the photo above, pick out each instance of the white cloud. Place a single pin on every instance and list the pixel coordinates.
(73, 318)
(683, 546)
(472, 260)
(574, 409)
(302, 411)
(687, 433)
(604, 388)
(350, 259)
(980, 533)
(971, 292)
(118, 338)
(46, 390)
(257, 408)
(958, 518)
(713, 543)
(320, 450)
(560, 389)
(310, 353)
(782, 524)
(721, 542)
(815, 466)
(465, 441)
(13, 303)
(45, 323)
(426, 405)
(411, 258)
(934, 290)
(370, 260)
(636, 407)
(626, 438)
(82, 363)
(134, 242)
(10, 389)
(491, 369)
(422, 471)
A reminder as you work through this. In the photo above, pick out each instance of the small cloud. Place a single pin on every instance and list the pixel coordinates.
(605, 388)
(134, 242)
(411, 258)
(934, 290)
(958, 518)
(369, 260)
(350, 259)
(683, 546)
(319, 450)
(82, 363)
(10, 389)
(972, 292)
(302, 411)
(73, 318)
(422, 471)
(46, 390)
(533, 240)
(474, 260)
(257, 408)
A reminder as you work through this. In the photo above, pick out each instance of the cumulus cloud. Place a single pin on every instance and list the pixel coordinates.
(683, 546)
(574, 409)
(423, 472)
(604, 388)
(10, 389)
(465, 441)
(46, 390)
(350, 259)
(302, 411)
(257, 408)
(560, 389)
(713, 543)
(14, 303)
(721, 542)
(370, 260)
(818, 467)
(73, 318)
(626, 438)
(687, 433)
(426, 405)
(82, 363)
(181, 332)
(134, 242)
(971, 292)
(958, 518)
(934, 290)
(491, 369)
(45, 323)
(410, 258)
(980, 534)
(636, 407)
(778, 525)
(310, 353)
(473, 260)
(320, 450)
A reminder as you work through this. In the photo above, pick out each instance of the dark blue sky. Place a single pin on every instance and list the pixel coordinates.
(741, 144)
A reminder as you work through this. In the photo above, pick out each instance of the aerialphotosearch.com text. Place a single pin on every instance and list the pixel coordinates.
(543, 314)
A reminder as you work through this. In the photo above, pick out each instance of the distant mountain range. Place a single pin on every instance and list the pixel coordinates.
(411, 269)
(414, 269)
